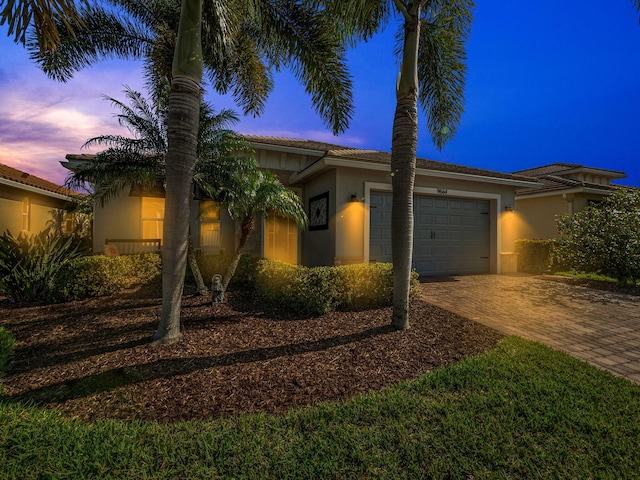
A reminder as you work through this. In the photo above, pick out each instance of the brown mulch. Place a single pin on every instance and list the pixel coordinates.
(94, 358)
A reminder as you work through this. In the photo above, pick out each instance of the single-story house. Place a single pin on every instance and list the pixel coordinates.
(463, 221)
(27, 201)
(566, 188)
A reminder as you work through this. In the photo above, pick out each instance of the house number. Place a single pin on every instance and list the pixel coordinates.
(442, 191)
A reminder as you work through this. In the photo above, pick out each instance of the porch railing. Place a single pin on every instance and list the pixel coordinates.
(132, 246)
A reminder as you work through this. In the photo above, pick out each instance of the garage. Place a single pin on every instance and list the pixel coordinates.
(451, 235)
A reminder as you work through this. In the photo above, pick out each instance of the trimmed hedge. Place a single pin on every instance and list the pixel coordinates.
(535, 256)
(319, 290)
(99, 275)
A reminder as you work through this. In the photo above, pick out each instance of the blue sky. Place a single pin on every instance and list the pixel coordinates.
(555, 82)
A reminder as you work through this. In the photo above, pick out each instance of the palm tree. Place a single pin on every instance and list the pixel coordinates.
(140, 160)
(431, 50)
(235, 40)
(41, 15)
(253, 195)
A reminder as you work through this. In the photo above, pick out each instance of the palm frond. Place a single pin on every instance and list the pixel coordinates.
(308, 44)
(441, 66)
(47, 19)
(109, 33)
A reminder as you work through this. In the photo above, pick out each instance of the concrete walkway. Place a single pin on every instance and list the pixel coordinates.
(602, 328)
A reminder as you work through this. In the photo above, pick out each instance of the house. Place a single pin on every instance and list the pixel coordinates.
(463, 215)
(27, 201)
(567, 188)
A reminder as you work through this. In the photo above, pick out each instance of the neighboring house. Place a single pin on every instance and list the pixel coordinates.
(463, 223)
(27, 201)
(567, 188)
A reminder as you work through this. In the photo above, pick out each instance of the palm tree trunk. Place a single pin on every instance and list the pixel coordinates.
(248, 225)
(182, 120)
(404, 144)
(195, 269)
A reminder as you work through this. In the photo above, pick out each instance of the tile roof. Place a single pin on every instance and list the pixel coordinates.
(561, 167)
(24, 178)
(552, 183)
(373, 156)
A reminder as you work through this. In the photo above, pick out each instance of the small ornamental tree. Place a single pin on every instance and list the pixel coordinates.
(604, 238)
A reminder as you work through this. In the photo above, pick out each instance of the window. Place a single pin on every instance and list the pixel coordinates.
(26, 214)
(281, 239)
(152, 217)
(209, 224)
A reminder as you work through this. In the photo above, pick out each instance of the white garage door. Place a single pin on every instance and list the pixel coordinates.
(451, 235)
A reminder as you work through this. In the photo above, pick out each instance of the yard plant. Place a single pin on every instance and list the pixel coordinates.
(604, 238)
(30, 264)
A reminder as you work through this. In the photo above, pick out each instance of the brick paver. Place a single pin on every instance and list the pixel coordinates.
(602, 328)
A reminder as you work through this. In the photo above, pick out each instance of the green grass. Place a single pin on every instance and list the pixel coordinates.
(590, 276)
(521, 410)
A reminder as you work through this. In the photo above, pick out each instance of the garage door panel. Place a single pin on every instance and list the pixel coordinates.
(451, 235)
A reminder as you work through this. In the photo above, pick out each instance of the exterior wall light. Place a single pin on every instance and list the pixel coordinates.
(354, 198)
(508, 208)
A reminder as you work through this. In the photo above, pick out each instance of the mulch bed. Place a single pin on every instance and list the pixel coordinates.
(94, 358)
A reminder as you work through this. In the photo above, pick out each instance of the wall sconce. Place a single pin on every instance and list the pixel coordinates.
(354, 198)
(508, 208)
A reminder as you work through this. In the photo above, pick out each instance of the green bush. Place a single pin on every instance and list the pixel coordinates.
(7, 342)
(535, 256)
(367, 285)
(30, 264)
(217, 264)
(604, 238)
(99, 275)
(318, 290)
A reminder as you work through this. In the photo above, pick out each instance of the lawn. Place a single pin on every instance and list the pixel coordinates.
(515, 410)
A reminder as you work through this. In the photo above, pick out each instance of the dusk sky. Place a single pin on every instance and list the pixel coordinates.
(557, 81)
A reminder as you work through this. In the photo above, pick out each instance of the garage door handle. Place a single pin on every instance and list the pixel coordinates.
(484, 257)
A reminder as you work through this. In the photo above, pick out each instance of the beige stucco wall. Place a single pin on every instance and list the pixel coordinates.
(11, 200)
(120, 218)
(536, 217)
(318, 246)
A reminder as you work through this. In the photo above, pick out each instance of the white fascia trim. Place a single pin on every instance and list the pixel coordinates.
(280, 148)
(39, 191)
(342, 162)
(386, 187)
(553, 193)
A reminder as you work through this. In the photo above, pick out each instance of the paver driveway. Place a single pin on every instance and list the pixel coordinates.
(602, 328)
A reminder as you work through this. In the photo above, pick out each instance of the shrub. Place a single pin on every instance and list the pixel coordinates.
(604, 238)
(318, 290)
(99, 275)
(7, 342)
(29, 264)
(368, 285)
(218, 264)
(535, 256)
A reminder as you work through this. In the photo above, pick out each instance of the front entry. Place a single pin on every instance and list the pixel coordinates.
(281, 239)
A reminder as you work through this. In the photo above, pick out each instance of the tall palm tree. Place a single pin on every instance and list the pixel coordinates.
(236, 41)
(431, 50)
(41, 15)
